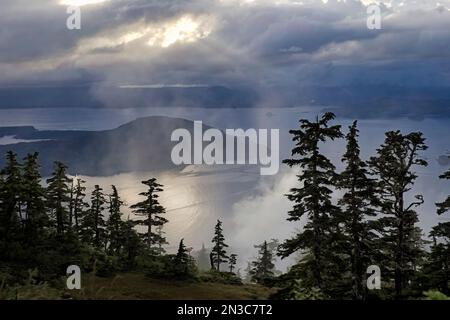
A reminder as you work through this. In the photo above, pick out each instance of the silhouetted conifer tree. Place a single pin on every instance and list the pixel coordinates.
(184, 265)
(394, 165)
(358, 205)
(114, 225)
(131, 243)
(152, 211)
(10, 215)
(94, 224)
(33, 201)
(437, 268)
(232, 262)
(78, 204)
(182, 258)
(218, 253)
(313, 198)
(263, 267)
(58, 197)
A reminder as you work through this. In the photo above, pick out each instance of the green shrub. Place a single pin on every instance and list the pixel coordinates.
(297, 291)
(165, 267)
(152, 266)
(31, 289)
(435, 295)
(220, 277)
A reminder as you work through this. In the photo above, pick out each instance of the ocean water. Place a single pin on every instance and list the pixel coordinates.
(102, 119)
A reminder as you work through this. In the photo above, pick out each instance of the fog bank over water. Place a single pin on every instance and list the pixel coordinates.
(199, 195)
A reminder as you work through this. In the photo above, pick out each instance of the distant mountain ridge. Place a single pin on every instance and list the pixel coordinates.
(141, 145)
(362, 100)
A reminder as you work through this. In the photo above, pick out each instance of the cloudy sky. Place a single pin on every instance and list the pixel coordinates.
(260, 52)
(232, 53)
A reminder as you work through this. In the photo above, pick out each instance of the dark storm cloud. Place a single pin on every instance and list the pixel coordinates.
(266, 53)
(37, 29)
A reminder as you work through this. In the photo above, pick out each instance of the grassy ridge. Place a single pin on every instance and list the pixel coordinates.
(137, 286)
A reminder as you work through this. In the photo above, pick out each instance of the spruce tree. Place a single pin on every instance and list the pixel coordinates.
(312, 198)
(10, 215)
(232, 262)
(218, 253)
(152, 211)
(131, 243)
(184, 265)
(71, 203)
(58, 197)
(263, 268)
(115, 222)
(394, 166)
(78, 203)
(33, 201)
(182, 256)
(2, 215)
(437, 269)
(358, 204)
(94, 223)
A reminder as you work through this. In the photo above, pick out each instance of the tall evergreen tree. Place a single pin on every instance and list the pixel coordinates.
(232, 262)
(182, 258)
(78, 203)
(272, 247)
(131, 242)
(114, 225)
(394, 165)
(313, 198)
(94, 222)
(2, 188)
(437, 267)
(263, 268)
(58, 197)
(218, 253)
(10, 215)
(358, 204)
(152, 211)
(33, 201)
(71, 204)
